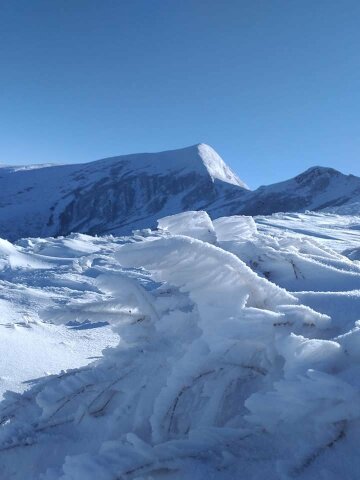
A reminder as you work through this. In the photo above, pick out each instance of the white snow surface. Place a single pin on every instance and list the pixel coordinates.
(347, 209)
(235, 351)
(216, 166)
(194, 224)
(236, 227)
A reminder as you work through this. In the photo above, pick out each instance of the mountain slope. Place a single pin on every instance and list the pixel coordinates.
(112, 195)
(315, 189)
(119, 194)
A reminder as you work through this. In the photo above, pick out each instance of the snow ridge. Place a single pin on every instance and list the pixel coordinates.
(217, 168)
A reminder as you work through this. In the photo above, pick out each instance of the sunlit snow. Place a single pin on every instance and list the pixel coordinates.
(232, 351)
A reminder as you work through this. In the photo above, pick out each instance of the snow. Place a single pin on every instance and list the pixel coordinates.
(322, 186)
(40, 285)
(216, 166)
(347, 209)
(235, 227)
(194, 224)
(32, 350)
(234, 351)
(120, 194)
(112, 195)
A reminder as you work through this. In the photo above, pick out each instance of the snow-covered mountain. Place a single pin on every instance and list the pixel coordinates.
(195, 348)
(114, 195)
(117, 195)
(318, 188)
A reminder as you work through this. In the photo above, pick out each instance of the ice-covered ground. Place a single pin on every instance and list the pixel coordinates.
(235, 350)
(40, 285)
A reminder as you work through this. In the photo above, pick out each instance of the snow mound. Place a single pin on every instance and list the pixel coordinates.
(12, 257)
(209, 274)
(193, 224)
(234, 228)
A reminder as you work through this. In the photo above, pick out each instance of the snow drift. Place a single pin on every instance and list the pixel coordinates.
(219, 372)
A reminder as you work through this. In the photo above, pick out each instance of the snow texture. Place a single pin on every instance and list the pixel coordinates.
(235, 351)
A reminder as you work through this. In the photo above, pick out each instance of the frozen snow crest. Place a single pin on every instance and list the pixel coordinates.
(193, 224)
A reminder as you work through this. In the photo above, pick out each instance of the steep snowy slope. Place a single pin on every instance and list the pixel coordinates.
(112, 195)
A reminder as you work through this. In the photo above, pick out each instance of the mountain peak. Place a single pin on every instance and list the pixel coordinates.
(200, 158)
(217, 168)
(316, 172)
(116, 194)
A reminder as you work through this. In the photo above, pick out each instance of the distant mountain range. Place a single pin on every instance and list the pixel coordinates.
(119, 194)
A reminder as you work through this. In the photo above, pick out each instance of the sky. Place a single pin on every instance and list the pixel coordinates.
(272, 85)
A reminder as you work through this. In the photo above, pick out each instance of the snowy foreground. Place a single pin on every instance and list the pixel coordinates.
(234, 352)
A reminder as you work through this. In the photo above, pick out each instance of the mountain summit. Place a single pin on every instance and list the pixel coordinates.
(113, 195)
(216, 167)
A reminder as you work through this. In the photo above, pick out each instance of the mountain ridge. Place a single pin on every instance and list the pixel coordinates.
(122, 193)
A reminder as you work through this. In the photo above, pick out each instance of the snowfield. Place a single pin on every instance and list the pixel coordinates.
(230, 350)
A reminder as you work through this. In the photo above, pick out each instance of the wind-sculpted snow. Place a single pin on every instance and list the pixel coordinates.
(195, 224)
(235, 227)
(220, 372)
(209, 274)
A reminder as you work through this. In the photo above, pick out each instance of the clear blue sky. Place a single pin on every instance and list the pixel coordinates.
(273, 86)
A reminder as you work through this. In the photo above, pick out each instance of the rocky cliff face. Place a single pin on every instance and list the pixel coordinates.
(120, 194)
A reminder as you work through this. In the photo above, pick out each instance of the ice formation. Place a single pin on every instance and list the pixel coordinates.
(238, 354)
